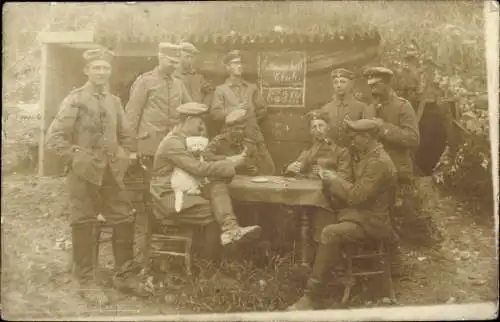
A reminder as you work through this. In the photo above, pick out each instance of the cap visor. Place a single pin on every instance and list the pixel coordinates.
(372, 81)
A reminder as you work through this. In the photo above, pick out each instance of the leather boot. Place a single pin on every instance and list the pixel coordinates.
(84, 238)
(127, 270)
(211, 243)
(311, 300)
(222, 207)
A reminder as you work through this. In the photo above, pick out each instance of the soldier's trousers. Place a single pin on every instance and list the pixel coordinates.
(88, 200)
(265, 163)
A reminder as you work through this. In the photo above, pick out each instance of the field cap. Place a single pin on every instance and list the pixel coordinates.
(236, 117)
(171, 51)
(317, 115)
(378, 74)
(232, 56)
(189, 48)
(98, 54)
(342, 73)
(192, 109)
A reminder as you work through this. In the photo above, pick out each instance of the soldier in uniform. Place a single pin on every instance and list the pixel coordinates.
(233, 142)
(323, 154)
(154, 97)
(369, 199)
(196, 85)
(91, 136)
(213, 208)
(344, 105)
(397, 122)
(236, 93)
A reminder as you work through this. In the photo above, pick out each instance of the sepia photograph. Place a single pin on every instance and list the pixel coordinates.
(250, 161)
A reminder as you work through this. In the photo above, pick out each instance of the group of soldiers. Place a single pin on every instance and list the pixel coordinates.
(360, 152)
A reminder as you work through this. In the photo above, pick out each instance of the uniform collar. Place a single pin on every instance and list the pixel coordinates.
(160, 73)
(236, 82)
(97, 91)
(346, 100)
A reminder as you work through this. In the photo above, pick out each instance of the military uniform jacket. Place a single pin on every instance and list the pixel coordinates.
(221, 146)
(400, 133)
(337, 111)
(228, 96)
(338, 159)
(151, 108)
(172, 152)
(90, 132)
(371, 196)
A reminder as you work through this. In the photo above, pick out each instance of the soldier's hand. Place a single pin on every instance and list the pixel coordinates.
(327, 175)
(294, 167)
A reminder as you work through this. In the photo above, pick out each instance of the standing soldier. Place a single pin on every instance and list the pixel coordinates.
(236, 93)
(344, 105)
(369, 199)
(90, 134)
(196, 85)
(397, 122)
(233, 142)
(154, 97)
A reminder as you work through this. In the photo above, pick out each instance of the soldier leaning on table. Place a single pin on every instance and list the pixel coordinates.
(92, 137)
(236, 93)
(344, 105)
(213, 209)
(369, 199)
(323, 154)
(154, 97)
(233, 142)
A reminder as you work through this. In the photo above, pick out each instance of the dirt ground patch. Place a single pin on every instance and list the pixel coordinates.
(36, 281)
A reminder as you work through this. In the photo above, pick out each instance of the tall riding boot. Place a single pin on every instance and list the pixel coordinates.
(126, 278)
(211, 243)
(222, 208)
(84, 238)
(311, 300)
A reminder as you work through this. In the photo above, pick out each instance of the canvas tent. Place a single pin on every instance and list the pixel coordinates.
(303, 60)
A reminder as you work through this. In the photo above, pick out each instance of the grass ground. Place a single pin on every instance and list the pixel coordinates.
(36, 282)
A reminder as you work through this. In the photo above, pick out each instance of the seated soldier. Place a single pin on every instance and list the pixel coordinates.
(213, 208)
(369, 199)
(323, 154)
(232, 141)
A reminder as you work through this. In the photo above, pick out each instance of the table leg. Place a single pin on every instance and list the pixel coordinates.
(304, 237)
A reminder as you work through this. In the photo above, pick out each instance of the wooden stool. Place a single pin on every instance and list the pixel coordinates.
(375, 251)
(173, 240)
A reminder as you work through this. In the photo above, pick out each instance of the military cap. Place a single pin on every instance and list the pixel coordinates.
(192, 109)
(189, 48)
(362, 125)
(233, 55)
(378, 74)
(170, 51)
(342, 73)
(317, 115)
(238, 116)
(98, 54)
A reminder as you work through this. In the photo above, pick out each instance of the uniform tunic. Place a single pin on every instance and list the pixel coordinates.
(172, 153)
(370, 197)
(92, 137)
(337, 111)
(151, 108)
(399, 134)
(226, 99)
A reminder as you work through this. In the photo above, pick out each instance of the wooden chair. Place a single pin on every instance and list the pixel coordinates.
(374, 251)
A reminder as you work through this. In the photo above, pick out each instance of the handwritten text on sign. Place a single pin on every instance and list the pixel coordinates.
(282, 78)
(278, 96)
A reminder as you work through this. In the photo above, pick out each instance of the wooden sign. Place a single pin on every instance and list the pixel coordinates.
(282, 77)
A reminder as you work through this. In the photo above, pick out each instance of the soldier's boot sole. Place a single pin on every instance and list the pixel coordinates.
(240, 235)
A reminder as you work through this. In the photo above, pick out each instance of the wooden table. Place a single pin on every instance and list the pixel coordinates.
(286, 191)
